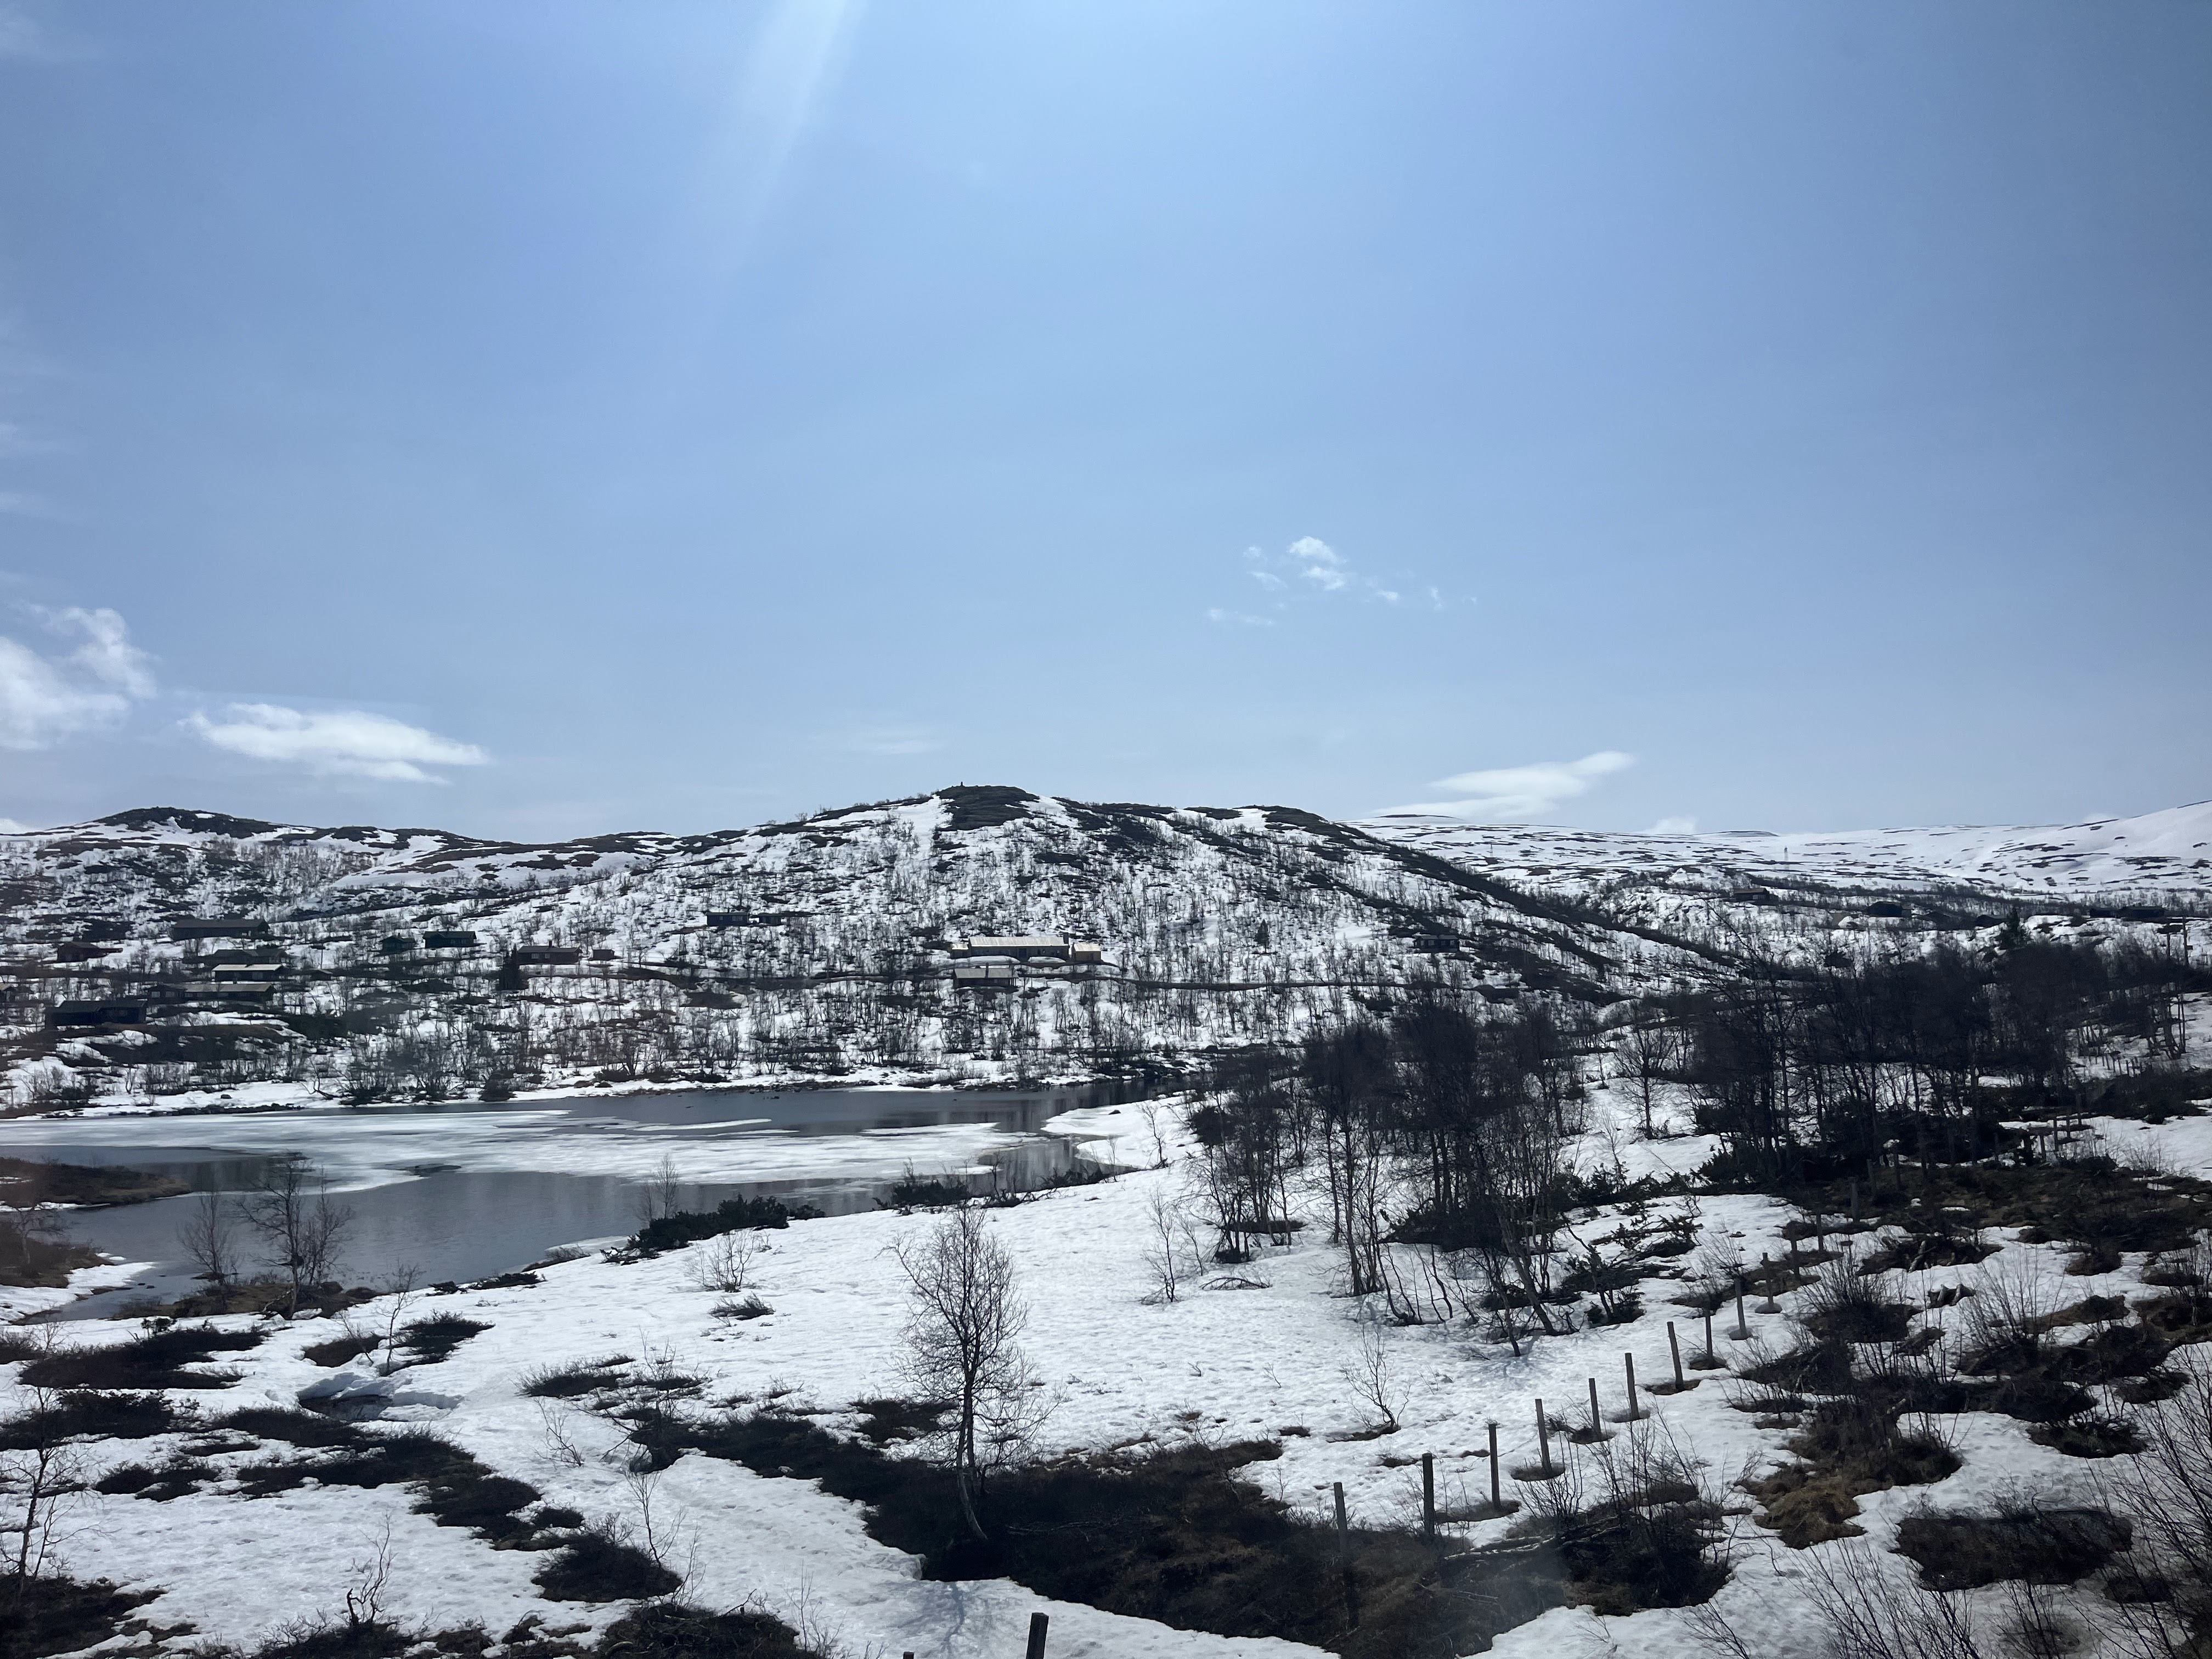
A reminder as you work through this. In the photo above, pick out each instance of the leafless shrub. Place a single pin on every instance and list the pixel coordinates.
(2009, 1316)
(1638, 1518)
(726, 1262)
(814, 1632)
(1371, 1374)
(656, 1195)
(1173, 1253)
(1157, 1116)
(400, 1295)
(2165, 1490)
(559, 1442)
(40, 1477)
(209, 1237)
(1872, 1613)
(369, 1583)
(655, 1531)
(2035, 1628)
(302, 1232)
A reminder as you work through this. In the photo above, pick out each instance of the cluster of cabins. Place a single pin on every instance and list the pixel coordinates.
(997, 962)
(252, 971)
(243, 973)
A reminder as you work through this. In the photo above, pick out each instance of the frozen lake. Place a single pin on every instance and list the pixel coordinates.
(461, 1192)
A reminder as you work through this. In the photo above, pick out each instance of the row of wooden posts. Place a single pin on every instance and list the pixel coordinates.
(1545, 1470)
(1039, 1623)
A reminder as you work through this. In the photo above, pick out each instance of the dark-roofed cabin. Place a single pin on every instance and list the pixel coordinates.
(219, 927)
(82, 950)
(983, 976)
(547, 956)
(84, 1013)
(1021, 947)
(230, 990)
(396, 945)
(448, 941)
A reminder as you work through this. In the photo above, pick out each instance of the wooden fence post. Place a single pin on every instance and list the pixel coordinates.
(1742, 1330)
(1344, 1558)
(1543, 1441)
(1597, 1423)
(1038, 1624)
(1497, 1498)
(1628, 1364)
(1674, 1348)
(1428, 1498)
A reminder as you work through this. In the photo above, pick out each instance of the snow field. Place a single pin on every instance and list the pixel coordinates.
(1219, 1364)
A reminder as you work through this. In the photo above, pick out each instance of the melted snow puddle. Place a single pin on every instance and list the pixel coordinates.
(462, 1192)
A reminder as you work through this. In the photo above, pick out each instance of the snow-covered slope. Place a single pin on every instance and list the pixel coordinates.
(2138, 860)
(1264, 1352)
(1220, 927)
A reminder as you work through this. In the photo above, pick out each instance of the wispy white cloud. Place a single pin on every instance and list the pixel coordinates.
(1311, 569)
(886, 740)
(20, 37)
(1316, 561)
(1511, 795)
(45, 700)
(1308, 562)
(1217, 615)
(1675, 826)
(14, 442)
(106, 654)
(9, 827)
(348, 743)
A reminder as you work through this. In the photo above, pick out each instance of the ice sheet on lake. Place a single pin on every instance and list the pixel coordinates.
(368, 1149)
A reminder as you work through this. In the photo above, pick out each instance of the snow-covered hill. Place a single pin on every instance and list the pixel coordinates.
(1221, 927)
(817, 948)
(2151, 861)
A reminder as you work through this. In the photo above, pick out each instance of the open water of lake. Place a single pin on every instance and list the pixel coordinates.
(462, 1192)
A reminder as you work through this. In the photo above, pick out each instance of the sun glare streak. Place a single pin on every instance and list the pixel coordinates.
(778, 89)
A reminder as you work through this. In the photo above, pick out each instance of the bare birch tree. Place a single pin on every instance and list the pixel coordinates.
(300, 1230)
(209, 1237)
(962, 1326)
(41, 1472)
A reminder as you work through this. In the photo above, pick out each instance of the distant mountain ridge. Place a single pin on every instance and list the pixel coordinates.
(2107, 861)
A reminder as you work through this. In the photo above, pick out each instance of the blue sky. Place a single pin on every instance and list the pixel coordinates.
(543, 419)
